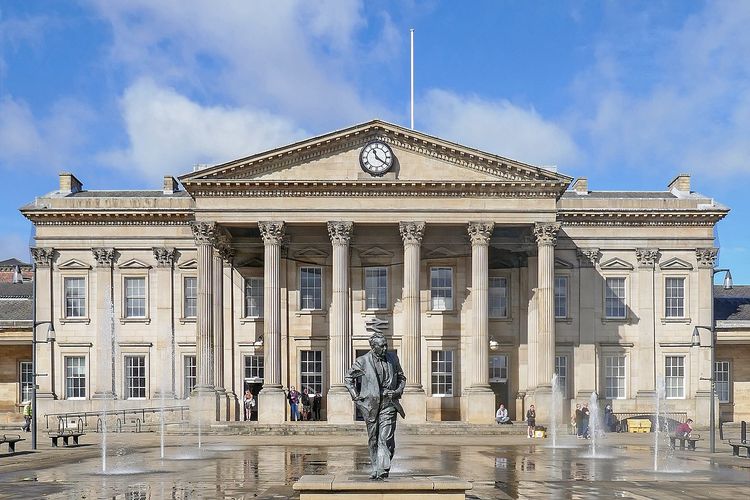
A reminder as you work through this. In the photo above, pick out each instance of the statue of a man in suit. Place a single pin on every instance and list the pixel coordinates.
(382, 382)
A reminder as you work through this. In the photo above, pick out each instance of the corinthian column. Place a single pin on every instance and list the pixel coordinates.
(222, 252)
(43, 259)
(339, 347)
(205, 238)
(271, 400)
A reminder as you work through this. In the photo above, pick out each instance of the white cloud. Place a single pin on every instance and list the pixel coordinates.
(498, 127)
(168, 133)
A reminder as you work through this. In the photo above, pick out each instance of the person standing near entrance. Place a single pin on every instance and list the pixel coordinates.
(531, 421)
(316, 399)
(293, 398)
(248, 402)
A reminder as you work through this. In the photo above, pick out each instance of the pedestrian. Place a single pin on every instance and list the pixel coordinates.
(585, 420)
(684, 429)
(610, 421)
(316, 400)
(501, 416)
(306, 404)
(531, 421)
(293, 397)
(26, 405)
(249, 404)
(579, 421)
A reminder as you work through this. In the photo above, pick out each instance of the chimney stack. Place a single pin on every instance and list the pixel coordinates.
(69, 183)
(680, 183)
(581, 186)
(171, 186)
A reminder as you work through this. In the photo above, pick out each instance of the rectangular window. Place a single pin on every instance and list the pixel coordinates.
(135, 297)
(311, 288)
(614, 299)
(674, 377)
(376, 288)
(674, 296)
(26, 380)
(75, 377)
(441, 289)
(254, 367)
(75, 297)
(190, 300)
(254, 297)
(442, 373)
(190, 375)
(721, 376)
(498, 297)
(561, 296)
(135, 377)
(561, 368)
(499, 368)
(614, 373)
(311, 371)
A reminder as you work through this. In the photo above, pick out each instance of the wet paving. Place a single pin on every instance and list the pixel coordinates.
(230, 467)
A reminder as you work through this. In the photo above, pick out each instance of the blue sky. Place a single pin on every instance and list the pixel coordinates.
(628, 94)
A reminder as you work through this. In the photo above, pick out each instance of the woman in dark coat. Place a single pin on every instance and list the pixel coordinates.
(531, 420)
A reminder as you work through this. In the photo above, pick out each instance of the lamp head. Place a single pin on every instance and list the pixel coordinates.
(728, 280)
(494, 344)
(51, 333)
(696, 338)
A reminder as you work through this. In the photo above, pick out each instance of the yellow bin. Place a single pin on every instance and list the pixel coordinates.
(639, 425)
(540, 434)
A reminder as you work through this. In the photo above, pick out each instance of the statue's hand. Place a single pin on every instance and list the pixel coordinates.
(388, 393)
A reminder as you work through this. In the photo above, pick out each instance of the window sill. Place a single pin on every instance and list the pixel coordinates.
(507, 319)
(75, 399)
(310, 312)
(187, 320)
(564, 320)
(144, 321)
(84, 321)
(449, 312)
(251, 319)
(616, 320)
(373, 312)
(664, 321)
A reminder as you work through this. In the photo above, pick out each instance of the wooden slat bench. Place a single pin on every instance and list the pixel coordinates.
(736, 445)
(11, 440)
(691, 440)
(66, 435)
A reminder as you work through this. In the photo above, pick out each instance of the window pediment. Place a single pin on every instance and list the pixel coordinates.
(74, 264)
(675, 263)
(188, 264)
(134, 264)
(617, 264)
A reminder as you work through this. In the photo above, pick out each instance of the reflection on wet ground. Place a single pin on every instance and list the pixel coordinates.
(229, 469)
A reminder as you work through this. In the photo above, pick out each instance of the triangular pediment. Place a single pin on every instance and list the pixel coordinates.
(373, 252)
(616, 263)
(74, 264)
(675, 263)
(334, 158)
(250, 262)
(134, 264)
(562, 264)
(440, 253)
(188, 264)
(311, 253)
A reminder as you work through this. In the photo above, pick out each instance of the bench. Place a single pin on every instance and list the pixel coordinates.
(11, 439)
(736, 445)
(66, 435)
(691, 440)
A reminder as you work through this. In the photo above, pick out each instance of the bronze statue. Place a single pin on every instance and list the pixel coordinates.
(382, 382)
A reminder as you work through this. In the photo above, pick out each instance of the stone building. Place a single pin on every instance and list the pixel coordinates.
(487, 274)
(733, 352)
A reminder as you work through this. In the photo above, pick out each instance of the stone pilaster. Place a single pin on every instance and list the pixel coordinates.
(591, 295)
(165, 338)
(104, 324)
(646, 377)
(546, 238)
(272, 402)
(221, 249)
(340, 408)
(706, 259)
(413, 400)
(480, 398)
(227, 399)
(43, 258)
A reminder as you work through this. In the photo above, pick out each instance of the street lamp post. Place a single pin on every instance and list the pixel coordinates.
(696, 342)
(50, 338)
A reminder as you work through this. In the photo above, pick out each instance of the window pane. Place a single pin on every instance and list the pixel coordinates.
(614, 373)
(441, 288)
(75, 377)
(254, 367)
(311, 371)
(614, 300)
(561, 296)
(254, 297)
(135, 377)
(135, 297)
(75, 297)
(674, 376)
(498, 297)
(191, 378)
(721, 374)
(561, 368)
(311, 288)
(26, 380)
(376, 288)
(674, 295)
(499, 368)
(190, 288)
(442, 373)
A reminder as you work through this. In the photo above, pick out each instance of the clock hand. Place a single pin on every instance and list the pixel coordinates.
(378, 156)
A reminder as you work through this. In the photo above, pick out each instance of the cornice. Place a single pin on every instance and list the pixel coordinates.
(109, 218)
(640, 217)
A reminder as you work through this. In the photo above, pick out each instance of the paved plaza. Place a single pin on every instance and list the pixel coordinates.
(240, 467)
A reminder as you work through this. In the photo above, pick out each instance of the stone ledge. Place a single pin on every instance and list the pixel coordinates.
(360, 486)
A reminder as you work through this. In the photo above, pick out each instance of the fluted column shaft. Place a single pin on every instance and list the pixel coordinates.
(205, 238)
(340, 339)
(273, 234)
(480, 234)
(218, 319)
(546, 237)
(411, 349)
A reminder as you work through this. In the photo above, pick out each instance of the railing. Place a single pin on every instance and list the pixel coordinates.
(137, 417)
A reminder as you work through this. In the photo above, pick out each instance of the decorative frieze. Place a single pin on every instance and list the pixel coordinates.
(164, 256)
(647, 257)
(104, 257)
(546, 233)
(411, 232)
(272, 232)
(42, 256)
(706, 257)
(588, 257)
(480, 232)
(340, 232)
(205, 233)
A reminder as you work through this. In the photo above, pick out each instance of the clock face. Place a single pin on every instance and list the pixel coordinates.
(376, 158)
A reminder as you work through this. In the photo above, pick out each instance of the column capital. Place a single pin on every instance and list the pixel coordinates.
(204, 233)
(227, 253)
(706, 257)
(164, 256)
(480, 232)
(546, 233)
(272, 232)
(340, 231)
(105, 257)
(411, 232)
(647, 257)
(588, 257)
(42, 256)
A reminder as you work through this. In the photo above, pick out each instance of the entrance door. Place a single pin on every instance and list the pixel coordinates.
(499, 380)
(253, 380)
(254, 385)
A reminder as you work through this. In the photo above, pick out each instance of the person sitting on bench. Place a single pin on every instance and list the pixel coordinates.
(501, 416)
(683, 430)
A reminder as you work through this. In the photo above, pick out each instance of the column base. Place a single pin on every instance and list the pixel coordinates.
(414, 402)
(543, 405)
(222, 405)
(339, 406)
(478, 406)
(272, 405)
(702, 412)
(232, 406)
(103, 395)
(203, 406)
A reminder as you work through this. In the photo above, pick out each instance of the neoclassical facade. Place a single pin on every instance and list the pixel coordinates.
(488, 276)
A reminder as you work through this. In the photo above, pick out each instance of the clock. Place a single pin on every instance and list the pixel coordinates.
(376, 158)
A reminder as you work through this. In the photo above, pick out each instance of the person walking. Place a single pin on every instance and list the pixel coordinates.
(249, 404)
(585, 420)
(579, 421)
(293, 397)
(26, 411)
(316, 400)
(531, 421)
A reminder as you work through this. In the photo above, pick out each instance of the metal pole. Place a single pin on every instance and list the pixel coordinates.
(33, 360)
(411, 32)
(712, 415)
